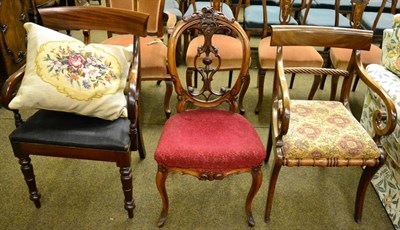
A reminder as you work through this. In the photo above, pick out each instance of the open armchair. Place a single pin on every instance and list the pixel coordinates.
(78, 90)
(325, 133)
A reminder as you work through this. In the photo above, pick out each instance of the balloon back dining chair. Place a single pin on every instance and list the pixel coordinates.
(207, 138)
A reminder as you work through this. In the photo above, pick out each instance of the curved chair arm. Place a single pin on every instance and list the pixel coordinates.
(280, 99)
(384, 122)
(133, 92)
(11, 86)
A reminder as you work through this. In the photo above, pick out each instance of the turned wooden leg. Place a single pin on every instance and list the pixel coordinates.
(167, 98)
(355, 83)
(314, 87)
(269, 144)
(189, 74)
(292, 81)
(230, 78)
(334, 85)
(365, 179)
(322, 84)
(272, 183)
(261, 79)
(196, 78)
(242, 93)
(255, 186)
(137, 134)
(161, 176)
(27, 170)
(126, 179)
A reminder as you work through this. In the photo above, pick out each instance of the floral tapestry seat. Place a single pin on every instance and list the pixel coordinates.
(387, 180)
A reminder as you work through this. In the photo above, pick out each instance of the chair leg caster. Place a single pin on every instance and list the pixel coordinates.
(242, 111)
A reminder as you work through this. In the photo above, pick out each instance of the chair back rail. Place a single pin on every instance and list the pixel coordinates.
(321, 36)
(71, 18)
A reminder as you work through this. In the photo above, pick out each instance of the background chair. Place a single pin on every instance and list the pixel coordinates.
(379, 19)
(325, 133)
(154, 51)
(191, 6)
(331, 14)
(255, 17)
(99, 1)
(229, 50)
(315, 15)
(294, 56)
(340, 57)
(68, 135)
(208, 143)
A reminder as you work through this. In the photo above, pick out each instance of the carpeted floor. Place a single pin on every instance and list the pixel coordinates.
(80, 194)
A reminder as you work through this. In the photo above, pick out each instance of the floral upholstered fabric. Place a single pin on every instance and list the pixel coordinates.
(326, 129)
(391, 47)
(63, 74)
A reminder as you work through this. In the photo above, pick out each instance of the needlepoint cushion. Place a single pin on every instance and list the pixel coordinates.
(63, 74)
(209, 141)
(326, 129)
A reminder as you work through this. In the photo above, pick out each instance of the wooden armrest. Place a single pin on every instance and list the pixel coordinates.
(11, 86)
(134, 83)
(383, 122)
(280, 98)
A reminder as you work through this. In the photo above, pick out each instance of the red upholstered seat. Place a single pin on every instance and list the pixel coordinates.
(209, 141)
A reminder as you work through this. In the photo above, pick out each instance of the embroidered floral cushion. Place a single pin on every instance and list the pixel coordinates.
(391, 48)
(326, 129)
(63, 74)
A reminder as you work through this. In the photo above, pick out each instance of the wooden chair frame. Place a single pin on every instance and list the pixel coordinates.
(209, 22)
(384, 121)
(87, 18)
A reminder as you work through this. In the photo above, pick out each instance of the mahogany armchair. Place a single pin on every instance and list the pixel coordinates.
(59, 78)
(325, 133)
(207, 138)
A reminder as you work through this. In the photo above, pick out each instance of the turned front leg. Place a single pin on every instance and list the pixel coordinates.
(126, 179)
(27, 170)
